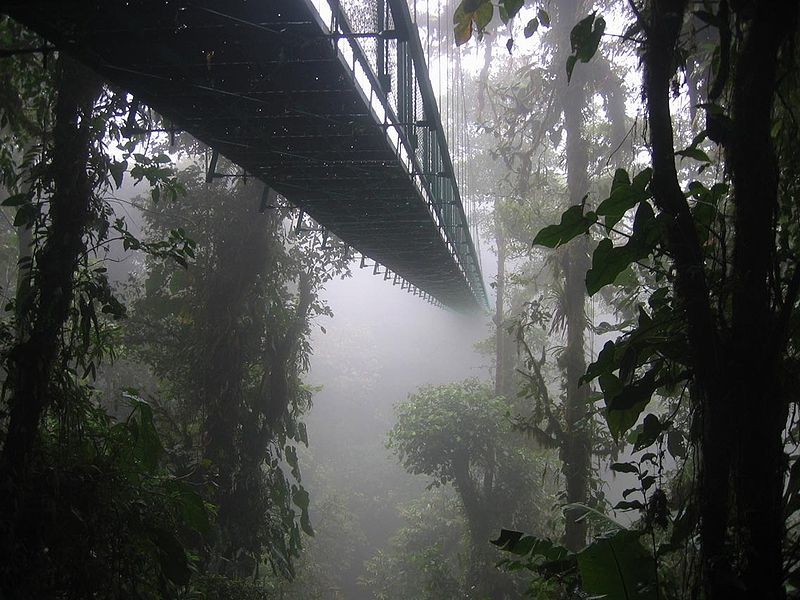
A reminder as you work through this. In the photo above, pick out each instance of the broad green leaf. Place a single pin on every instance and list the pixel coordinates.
(618, 567)
(539, 555)
(624, 467)
(642, 178)
(621, 179)
(611, 385)
(573, 223)
(117, 170)
(531, 27)
(608, 261)
(511, 8)
(483, 15)
(651, 429)
(463, 25)
(479, 12)
(522, 545)
(16, 200)
(606, 363)
(646, 231)
(695, 153)
(629, 505)
(26, 215)
(624, 195)
(544, 17)
(623, 408)
(585, 38)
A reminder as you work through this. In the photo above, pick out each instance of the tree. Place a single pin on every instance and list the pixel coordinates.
(85, 494)
(724, 257)
(424, 556)
(227, 337)
(744, 413)
(532, 110)
(77, 487)
(459, 434)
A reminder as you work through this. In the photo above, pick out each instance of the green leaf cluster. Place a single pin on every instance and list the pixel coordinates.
(614, 566)
(585, 39)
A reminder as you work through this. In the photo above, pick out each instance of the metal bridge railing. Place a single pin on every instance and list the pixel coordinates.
(379, 42)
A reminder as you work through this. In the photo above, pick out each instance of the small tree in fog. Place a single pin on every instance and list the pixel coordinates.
(460, 434)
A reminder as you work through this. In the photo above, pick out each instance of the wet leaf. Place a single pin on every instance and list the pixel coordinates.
(511, 8)
(624, 467)
(623, 408)
(573, 223)
(651, 429)
(544, 17)
(16, 200)
(618, 567)
(585, 38)
(531, 27)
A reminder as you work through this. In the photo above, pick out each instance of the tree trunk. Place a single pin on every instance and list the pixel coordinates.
(42, 319)
(691, 288)
(743, 415)
(241, 243)
(504, 345)
(755, 355)
(576, 448)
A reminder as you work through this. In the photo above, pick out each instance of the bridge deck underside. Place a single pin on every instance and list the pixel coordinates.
(262, 84)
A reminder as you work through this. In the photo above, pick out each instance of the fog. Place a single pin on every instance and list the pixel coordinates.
(380, 346)
(206, 396)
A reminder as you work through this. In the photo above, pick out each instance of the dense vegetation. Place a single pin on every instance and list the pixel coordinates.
(693, 249)
(637, 437)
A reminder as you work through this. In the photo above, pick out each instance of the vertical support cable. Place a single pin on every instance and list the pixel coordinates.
(381, 46)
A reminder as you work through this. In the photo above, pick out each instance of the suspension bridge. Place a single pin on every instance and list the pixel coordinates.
(329, 102)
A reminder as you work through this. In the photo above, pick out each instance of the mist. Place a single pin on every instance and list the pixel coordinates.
(380, 346)
(399, 300)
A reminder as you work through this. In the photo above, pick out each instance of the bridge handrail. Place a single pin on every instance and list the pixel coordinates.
(454, 228)
(400, 9)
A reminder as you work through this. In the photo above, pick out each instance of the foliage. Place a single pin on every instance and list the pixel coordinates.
(217, 587)
(461, 434)
(227, 338)
(440, 428)
(135, 511)
(698, 249)
(614, 565)
(425, 555)
(707, 261)
(104, 516)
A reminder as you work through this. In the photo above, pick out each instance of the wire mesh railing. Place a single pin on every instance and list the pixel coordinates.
(379, 41)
